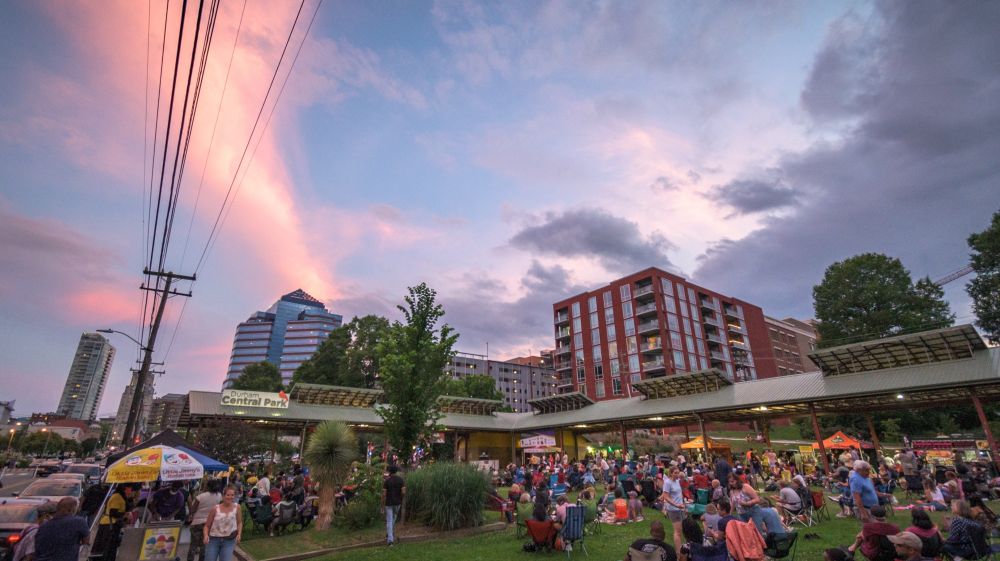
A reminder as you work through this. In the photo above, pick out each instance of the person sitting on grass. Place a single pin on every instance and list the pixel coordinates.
(934, 496)
(923, 528)
(725, 517)
(634, 507)
(789, 501)
(620, 507)
(718, 492)
(965, 535)
(711, 518)
(652, 547)
(872, 532)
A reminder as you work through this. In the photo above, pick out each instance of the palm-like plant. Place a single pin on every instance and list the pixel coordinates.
(332, 447)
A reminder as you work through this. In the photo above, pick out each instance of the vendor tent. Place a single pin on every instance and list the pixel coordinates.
(840, 441)
(174, 440)
(698, 444)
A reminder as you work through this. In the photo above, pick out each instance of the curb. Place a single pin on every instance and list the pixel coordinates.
(492, 527)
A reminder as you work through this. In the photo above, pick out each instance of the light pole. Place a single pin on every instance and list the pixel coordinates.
(134, 340)
(48, 435)
(11, 440)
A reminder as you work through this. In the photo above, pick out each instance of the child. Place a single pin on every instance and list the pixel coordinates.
(634, 507)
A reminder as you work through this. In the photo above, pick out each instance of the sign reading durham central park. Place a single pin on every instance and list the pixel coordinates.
(244, 398)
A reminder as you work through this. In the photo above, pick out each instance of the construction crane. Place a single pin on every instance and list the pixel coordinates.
(954, 275)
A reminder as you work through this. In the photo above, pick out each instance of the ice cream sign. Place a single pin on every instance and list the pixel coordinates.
(244, 398)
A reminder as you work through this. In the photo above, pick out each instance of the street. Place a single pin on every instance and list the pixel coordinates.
(14, 481)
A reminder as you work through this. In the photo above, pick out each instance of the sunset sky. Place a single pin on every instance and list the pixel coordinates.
(509, 154)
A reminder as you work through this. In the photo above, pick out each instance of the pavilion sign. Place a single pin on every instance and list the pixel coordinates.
(244, 398)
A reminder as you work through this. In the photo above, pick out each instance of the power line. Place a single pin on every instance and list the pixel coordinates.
(246, 148)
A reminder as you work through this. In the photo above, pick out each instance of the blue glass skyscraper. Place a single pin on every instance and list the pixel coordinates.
(298, 318)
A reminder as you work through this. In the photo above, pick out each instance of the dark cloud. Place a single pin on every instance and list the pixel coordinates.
(482, 314)
(747, 196)
(615, 242)
(916, 171)
(663, 184)
(693, 176)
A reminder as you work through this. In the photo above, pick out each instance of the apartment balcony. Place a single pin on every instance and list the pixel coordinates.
(561, 319)
(717, 355)
(561, 366)
(707, 304)
(646, 310)
(710, 319)
(641, 291)
(734, 328)
(714, 338)
(564, 350)
(653, 365)
(731, 312)
(562, 333)
(648, 326)
(652, 347)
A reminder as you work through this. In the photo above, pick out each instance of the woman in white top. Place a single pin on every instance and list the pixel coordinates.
(224, 528)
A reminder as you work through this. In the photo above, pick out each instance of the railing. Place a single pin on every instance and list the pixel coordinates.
(560, 333)
(653, 364)
(714, 338)
(734, 327)
(645, 308)
(561, 318)
(717, 355)
(711, 320)
(648, 326)
(643, 290)
(654, 346)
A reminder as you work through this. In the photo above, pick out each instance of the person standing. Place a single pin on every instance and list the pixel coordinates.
(862, 490)
(673, 504)
(60, 538)
(200, 507)
(112, 520)
(223, 528)
(393, 492)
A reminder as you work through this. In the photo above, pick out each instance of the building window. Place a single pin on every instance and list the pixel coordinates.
(577, 325)
(607, 299)
(595, 334)
(703, 362)
(593, 319)
(672, 322)
(599, 390)
(690, 343)
(626, 309)
(668, 287)
(598, 371)
(596, 354)
(581, 374)
(579, 357)
(629, 326)
(626, 292)
(635, 377)
(675, 340)
(578, 339)
(611, 333)
(684, 310)
(633, 363)
(609, 316)
(576, 309)
(680, 293)
(630, 345)
(691, 296)
(591, 303)
(679, 360)
(697, 331)
(614, 367)
(616, 386)
(670, 304)
(612, 350)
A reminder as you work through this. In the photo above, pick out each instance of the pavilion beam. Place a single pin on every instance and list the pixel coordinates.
(874, 435)
(986, 427)
(819, 439)
(621, 424)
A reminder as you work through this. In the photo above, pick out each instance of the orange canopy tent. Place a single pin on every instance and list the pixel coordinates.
(840, 441)
(699, 444)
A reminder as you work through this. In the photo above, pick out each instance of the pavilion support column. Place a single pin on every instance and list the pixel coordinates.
(513, 449)
(187, 433)
(576, 446)
(819, 439)
(687, 434)
(767, 431)
(302, 442)
(624, 439)
(704, 439)
(874, 435)
(274, 451)
(986, 427)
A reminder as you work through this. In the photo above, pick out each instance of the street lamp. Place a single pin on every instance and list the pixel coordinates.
(134, 340)
(11, 441)
(48, 435)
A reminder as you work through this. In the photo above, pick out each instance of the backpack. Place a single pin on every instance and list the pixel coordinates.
(886, 551)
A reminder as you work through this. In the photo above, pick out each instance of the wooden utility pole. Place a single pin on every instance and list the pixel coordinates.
(147, 357)
(819, 439)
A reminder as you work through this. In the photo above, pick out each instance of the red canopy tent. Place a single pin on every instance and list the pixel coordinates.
(840, 441)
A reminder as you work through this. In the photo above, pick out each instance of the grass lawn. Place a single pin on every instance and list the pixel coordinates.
(612, 543)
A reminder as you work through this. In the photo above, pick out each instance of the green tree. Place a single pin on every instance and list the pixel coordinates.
(985, 288)
(478, 386)
(331, 449)
(42, 442)
(328, 363)
(870, 296)
(260, 376)
(362, 358)
(89, 446)
(412, 357)
(232, 441)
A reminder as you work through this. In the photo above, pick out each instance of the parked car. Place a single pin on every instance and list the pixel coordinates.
(49, 467)
(52, 489)
(70, 476)
(15, 516)
(92, 472)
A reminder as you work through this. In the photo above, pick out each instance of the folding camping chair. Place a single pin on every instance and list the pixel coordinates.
(819, 510)
(779, 546)
(573, 528)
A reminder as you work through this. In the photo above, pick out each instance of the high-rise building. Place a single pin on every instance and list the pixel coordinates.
(791, 341)
(125, 406)
(165, 412)
(87, 375)
(650, 324)
(518, 380)
(285, 335)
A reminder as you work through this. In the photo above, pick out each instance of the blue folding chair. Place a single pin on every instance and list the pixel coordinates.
(572, 530)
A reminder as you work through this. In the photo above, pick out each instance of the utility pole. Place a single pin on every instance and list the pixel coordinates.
(147, 358)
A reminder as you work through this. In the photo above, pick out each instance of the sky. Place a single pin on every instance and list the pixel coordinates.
(509, 154)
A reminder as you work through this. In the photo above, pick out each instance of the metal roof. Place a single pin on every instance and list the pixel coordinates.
(319, 394)
(701, 381)
(468, 405)
(560, 402)
(939, 345)
(920, 385)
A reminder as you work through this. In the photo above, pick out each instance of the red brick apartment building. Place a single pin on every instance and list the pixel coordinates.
(651, 324)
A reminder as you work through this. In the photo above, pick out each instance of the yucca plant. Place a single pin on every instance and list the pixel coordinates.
(332, 447)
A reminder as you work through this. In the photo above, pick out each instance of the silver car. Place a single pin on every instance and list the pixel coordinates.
(52, 489)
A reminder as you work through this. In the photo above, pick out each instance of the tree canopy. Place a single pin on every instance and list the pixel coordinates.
(870, 296)
(232, 441)
(348, 357)
(412, 357)
(260, 376)
(985, 287)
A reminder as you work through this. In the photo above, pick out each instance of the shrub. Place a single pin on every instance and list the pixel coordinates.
(363, 509)
(446, 496)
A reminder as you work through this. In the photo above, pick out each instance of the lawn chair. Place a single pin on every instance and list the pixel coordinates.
(542, 534)
(806, 516)
(591, 517)
(522, 513)
(819, 509)
(261, 516)
(780, 545)
(306, 513)
(573, 528)
(287, 514)
(501, 505)
(717, 552)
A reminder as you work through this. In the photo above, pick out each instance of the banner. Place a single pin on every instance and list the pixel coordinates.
(244, 398)
(160, 544)
(806, 451)
(539, 439)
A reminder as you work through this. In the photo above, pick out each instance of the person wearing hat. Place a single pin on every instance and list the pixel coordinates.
(908, 546)
(872, 532)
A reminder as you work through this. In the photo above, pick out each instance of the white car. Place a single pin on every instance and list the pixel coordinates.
(70, 476)
(92, 472)
(52, 489)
